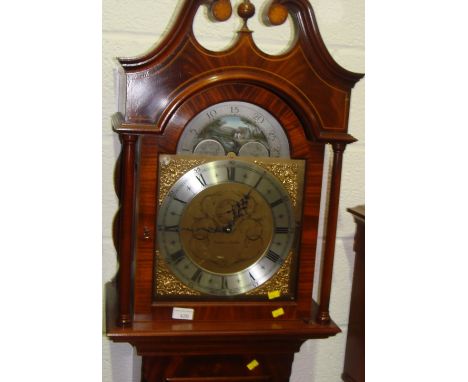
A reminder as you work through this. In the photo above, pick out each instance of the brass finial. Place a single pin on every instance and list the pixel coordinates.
(276, 14)
(221, 9)
(246, 10)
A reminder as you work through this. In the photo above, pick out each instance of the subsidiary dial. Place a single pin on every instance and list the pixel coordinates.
(253, 149)
(209, 147)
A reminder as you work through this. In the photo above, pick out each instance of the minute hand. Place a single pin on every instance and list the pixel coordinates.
(240, 206)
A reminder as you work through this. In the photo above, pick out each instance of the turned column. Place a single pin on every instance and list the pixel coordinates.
(323, 315)
(125, 245)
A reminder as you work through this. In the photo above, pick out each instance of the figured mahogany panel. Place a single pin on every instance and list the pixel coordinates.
(218, 368)
(322, 106)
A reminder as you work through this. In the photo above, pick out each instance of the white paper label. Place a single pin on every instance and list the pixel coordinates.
(182, 313)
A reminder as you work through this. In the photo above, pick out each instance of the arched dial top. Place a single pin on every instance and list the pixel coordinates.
(226, 227)
(239, 127)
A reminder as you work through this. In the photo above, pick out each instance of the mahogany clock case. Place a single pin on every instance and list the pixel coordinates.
(149, 149)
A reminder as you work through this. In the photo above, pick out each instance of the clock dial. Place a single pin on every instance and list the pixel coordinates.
(239, 127)
(225, 227)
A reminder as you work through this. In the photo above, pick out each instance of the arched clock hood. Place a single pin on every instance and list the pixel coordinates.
(306, 76)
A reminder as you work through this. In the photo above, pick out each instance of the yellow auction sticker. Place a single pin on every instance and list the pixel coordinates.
(274, 294)
(277, 312)
(252, 365)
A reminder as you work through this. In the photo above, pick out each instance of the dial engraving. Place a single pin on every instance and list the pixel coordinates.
(226, 228)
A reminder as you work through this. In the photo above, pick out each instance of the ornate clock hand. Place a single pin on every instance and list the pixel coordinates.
(235, 216)
(238, 209)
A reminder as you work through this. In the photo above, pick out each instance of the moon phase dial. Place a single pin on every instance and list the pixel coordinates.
(239, 127)
(225, 227)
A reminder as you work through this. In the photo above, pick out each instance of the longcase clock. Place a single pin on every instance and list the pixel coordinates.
(219, 182)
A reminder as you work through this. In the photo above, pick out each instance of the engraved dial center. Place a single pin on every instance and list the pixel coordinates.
(226, 228)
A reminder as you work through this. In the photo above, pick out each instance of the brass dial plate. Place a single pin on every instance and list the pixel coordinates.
(225, 227)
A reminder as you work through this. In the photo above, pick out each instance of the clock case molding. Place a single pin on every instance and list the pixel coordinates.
(309, 94)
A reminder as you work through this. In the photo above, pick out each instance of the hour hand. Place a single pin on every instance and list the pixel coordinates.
(203, 229)
(238, 209)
